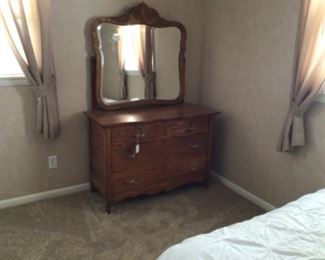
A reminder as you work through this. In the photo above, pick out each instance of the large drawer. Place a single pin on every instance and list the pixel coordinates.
(156, 188)
(138, 178)
(156, 130)
(158, 151)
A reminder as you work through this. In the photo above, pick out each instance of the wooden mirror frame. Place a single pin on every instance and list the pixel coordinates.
(139, 14)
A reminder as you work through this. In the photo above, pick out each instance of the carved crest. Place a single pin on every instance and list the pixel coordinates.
(141, 13)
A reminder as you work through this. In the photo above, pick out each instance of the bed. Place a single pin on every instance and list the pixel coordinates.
(294, 231)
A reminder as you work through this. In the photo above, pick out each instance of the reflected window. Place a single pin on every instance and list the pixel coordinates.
(128, 38)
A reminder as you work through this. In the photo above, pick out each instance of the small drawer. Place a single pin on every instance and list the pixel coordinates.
(187, 126)
(141, 132)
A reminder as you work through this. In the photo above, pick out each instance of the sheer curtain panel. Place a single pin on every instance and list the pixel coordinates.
(28, 33)
(309, 74)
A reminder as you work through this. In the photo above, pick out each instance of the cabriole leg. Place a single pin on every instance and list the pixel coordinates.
(108, 207)
(92, 187)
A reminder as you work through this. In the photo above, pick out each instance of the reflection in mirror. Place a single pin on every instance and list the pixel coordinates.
(139, 62)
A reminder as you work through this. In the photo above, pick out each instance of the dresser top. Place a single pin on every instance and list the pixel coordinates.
(148, 114)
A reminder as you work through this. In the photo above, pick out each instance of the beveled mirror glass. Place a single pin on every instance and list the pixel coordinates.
(139, 59)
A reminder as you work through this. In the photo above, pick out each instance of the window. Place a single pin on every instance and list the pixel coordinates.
(9, 67)
(129, 37)
(129, 49)
(10, 71)
(134, 43)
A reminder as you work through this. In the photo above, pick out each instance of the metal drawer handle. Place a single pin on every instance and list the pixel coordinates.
(191, 125)
(135, 151)
(132, 181)
(141, 132)
(132, 156)
(190, 129)
(195, 146)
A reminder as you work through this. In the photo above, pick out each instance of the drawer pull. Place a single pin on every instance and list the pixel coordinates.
(141, 133)
(132, 156)
(189, 129)
(191, 125)
(135, 152)
(194, 169)
(195, 146)
(131, 181)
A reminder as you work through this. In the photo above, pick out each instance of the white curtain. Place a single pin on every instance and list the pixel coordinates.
(28, 32)
(309, 73)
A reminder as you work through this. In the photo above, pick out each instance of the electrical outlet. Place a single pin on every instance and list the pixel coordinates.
(53, 161)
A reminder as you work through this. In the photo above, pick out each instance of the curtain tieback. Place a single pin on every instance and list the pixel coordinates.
(42, 90)
(296, 110)
(151, 76)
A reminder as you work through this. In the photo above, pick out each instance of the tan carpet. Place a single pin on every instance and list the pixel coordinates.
(76, 227)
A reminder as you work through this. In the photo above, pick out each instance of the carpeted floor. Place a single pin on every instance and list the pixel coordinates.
(76, 227)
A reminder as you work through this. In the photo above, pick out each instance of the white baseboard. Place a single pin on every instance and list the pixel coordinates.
(244, 193)
(83, 187)
(43, 195)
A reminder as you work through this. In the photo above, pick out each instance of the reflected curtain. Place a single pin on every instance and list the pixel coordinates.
(309, 74)
(28, 32)
(121, 63)
(146, 60)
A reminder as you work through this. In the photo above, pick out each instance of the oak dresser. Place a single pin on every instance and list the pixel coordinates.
(149, 150)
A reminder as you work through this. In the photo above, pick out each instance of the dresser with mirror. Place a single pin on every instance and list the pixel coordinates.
(143, 138)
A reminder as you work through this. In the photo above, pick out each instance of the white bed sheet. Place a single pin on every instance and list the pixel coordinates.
(294, 231)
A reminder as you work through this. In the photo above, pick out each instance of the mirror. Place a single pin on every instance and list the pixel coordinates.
(139, 62)
(139, 59)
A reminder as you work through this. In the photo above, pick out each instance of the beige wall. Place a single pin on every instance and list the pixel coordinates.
(23, 153)
(247, 68)
(246, 74)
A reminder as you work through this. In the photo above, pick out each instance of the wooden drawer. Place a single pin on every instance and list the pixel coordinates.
(138, 178)
(156, 130)
(187, 126)
(163, 186)
(158, 151)
(175, 149)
